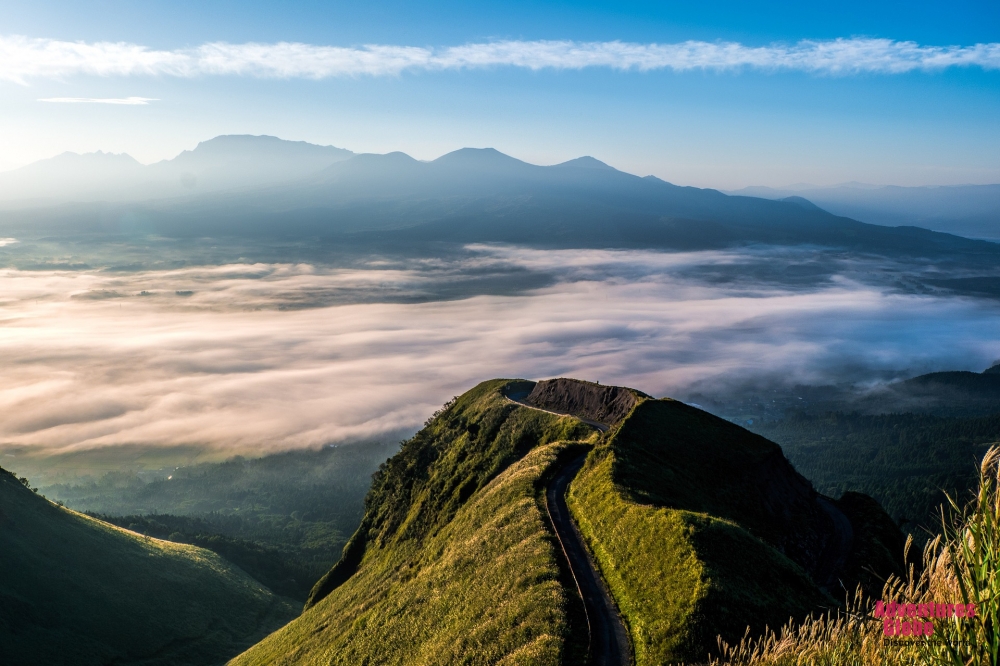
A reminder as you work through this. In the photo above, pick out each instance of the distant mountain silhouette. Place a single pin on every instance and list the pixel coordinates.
(968, 210)
(804, 203)
(468, 196)
(224, 162)
(240, 160)
(482, 195)
(70, 176)
(586, 162)
(73, 163)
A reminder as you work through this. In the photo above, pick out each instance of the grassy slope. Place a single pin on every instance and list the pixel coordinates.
(282, 518)
(680, 577)
(285, 570)
(458, 565)
(454, 561)
(74, 590)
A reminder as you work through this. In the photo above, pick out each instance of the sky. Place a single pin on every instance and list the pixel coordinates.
(723, 94)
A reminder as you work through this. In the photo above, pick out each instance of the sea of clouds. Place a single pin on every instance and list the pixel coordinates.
(258, 357)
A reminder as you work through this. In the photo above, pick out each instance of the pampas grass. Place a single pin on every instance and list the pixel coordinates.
(958, 566)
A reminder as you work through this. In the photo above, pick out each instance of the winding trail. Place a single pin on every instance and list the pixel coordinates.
(609, 640)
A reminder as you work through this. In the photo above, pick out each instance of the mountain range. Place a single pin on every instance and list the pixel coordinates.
(262, 187)
(225, 162)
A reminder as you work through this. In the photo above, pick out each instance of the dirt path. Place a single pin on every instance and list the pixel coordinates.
(603, 427)
(609, 641)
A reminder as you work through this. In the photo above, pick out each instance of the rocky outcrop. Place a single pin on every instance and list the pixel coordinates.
(604, 404)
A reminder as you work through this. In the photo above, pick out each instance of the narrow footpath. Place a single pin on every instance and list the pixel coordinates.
(609, 641)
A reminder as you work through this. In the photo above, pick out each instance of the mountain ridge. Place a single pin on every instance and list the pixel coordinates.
(484, 196)
(688, 574)
(967, 210)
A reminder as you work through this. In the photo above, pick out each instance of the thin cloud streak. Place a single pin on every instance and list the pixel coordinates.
(127, 101)
(206, 356)
(23, 59)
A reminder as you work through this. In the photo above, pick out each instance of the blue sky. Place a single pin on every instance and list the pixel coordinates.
(722, 127)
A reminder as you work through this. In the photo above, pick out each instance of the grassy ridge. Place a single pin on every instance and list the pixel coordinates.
(703, 529)
(457, 564)
(689, 518)
(464, 446)
(484, 590)
(671, 454)
(284, 570)
(656, 594)
(681, 578)
(75, 590)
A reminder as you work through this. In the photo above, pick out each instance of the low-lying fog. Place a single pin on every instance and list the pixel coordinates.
(255, 357)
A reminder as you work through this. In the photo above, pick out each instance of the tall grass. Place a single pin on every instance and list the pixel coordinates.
(958, 566)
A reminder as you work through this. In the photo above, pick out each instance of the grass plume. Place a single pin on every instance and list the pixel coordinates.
(959, 565)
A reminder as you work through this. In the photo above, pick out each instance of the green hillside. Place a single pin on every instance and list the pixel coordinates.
(283, 518)
(75, 590)
(454, 560)
(698, 526)
(701, 528)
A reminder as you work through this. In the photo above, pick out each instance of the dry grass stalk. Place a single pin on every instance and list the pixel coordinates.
(958, 566)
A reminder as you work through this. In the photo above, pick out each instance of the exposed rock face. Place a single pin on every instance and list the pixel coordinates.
(604, 404)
